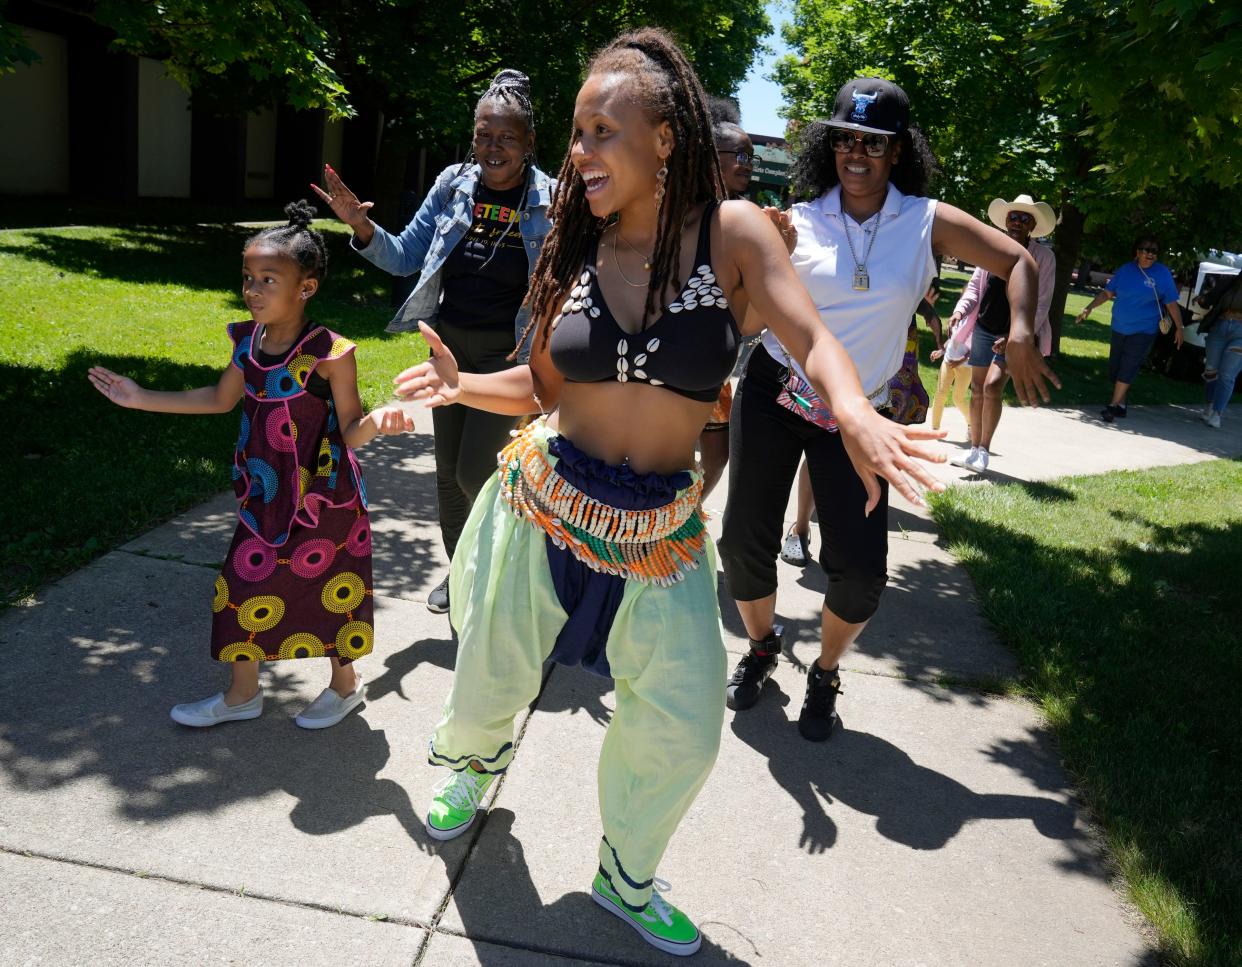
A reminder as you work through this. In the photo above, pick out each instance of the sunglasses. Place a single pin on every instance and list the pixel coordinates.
(1022, 218)
(742, 157)
(842, 142)
(1148, 250)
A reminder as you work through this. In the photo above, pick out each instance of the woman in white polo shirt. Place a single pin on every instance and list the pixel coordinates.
(866, 248)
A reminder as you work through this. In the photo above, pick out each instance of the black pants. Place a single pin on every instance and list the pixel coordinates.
(467, 440)
(766, 444)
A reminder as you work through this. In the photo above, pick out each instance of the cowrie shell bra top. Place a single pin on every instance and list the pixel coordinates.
(690, 349)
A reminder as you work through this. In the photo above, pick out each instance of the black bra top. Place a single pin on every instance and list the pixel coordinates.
(691, 349)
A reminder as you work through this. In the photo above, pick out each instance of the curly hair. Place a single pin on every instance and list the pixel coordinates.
(662, 81)
(296, 240)
(815, 167)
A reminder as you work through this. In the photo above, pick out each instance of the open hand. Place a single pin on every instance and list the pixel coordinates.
(435, 382)
(881, 448)
(391, 420)
(937, 355)
(122, 390)
(343, 202)
(1031, 373)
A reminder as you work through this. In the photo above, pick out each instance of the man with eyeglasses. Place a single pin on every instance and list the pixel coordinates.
(980, 321)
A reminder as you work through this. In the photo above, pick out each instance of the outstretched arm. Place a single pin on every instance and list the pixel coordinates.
(529, 388)
(123, 391)
(359, 429)
(877, 447)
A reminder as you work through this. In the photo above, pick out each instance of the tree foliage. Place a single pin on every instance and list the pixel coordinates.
(1126, 116)
(421, 64)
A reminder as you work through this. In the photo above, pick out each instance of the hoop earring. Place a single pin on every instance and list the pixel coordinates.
(661, 176)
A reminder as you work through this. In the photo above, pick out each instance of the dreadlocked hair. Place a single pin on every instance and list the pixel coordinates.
(815, 167)
(660, 79)
(297, 240)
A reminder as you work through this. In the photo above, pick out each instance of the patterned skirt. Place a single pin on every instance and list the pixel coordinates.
(310, 598)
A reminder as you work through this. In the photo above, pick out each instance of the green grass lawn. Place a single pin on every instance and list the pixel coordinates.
(1082, 365)
(1119, 594)
(150, 301)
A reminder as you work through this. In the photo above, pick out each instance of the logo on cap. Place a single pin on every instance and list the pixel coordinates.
(862, 104)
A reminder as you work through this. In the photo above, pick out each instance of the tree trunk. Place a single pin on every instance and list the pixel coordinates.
(390, 166)
(1068, 248)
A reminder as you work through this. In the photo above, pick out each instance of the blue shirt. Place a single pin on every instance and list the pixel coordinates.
(1139, 301)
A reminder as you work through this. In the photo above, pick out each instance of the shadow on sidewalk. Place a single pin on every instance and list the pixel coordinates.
(487, 921)
(912, 804)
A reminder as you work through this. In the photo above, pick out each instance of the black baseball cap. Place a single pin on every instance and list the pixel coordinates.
(871, 105)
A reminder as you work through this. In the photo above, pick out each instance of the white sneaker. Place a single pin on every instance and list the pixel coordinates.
(1212, 419)
(980, 463)
(966, 458)
(213, 711)
(329, 708)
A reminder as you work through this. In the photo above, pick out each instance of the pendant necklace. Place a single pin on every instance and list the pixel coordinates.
(646, 261)
(630, 245)
(862, 281)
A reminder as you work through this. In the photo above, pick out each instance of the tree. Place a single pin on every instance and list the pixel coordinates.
(271, 51)
(1095, 106)
(1149, 118)
(420, 66)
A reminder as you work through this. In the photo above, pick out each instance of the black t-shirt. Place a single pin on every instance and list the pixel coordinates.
(994, 307)
(485, 276)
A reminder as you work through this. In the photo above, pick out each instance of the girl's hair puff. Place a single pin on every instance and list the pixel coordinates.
(297, 240)
(661, 79)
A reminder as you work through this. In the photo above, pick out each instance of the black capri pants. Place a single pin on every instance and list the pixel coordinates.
(766, 444)
(468, 440)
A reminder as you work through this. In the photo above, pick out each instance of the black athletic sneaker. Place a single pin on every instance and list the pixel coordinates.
(437, 600)
(753, 671)
(819, 708)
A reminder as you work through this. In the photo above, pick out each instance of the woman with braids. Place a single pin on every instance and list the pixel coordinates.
(865, 248)
(590, 546)
(296, 582)
(474, 241)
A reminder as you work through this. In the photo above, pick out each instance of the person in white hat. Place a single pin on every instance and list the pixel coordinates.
(980, 321)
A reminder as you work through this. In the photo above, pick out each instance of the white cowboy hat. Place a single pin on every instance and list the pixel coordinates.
(1045, 217)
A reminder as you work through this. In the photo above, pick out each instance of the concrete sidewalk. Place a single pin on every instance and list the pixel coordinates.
(938, 828)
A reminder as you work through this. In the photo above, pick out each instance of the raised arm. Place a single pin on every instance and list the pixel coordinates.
(877, 447)
(123, 391)
(958, 234)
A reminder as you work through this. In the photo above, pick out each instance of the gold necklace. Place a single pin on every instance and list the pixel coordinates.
(630, 245)
(617, 262)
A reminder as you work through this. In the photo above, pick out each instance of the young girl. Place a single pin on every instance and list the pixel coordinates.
(297, 579)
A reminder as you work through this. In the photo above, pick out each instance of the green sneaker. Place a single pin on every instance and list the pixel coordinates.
(659, 923)
(457, 801)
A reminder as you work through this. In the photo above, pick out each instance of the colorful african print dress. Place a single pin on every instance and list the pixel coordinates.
(297, 579)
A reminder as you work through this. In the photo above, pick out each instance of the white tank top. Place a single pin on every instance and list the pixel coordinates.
(870, 324)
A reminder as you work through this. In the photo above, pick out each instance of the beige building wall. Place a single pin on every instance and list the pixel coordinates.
(34, 116)
(261, 154)
(163, 133)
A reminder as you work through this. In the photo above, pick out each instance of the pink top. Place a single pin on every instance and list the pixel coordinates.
(968, 305)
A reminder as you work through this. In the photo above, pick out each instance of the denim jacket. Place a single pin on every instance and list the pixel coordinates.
(441, 222)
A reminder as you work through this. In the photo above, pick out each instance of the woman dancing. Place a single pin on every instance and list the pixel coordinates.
(589, 546)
